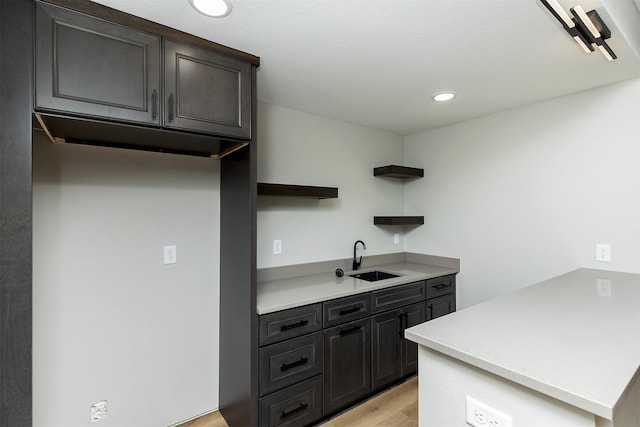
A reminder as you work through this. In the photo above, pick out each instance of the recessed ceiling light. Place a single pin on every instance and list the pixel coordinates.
(214, 8)
(444, 96)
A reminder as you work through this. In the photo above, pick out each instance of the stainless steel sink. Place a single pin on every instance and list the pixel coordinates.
(374, 276)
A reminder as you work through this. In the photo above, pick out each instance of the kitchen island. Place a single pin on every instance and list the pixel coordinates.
(564, 352)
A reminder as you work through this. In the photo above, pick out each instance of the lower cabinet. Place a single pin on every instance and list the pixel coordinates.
(347, 364)
(319, 359)
(393, 356)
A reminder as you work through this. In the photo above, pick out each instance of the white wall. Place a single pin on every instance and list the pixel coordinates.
(299, 148)
(110, 320)
(526, 194)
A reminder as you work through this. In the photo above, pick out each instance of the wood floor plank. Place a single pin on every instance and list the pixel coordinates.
(381, 409)
(397, 407)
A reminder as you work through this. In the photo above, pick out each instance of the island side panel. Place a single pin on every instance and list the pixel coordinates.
(444, 383)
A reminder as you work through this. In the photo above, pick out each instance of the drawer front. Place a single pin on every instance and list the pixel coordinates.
(288, 362)
(291, 323)
(346, 309)
(298, 405)
(398, 296)
(441, 286)
(440, 306)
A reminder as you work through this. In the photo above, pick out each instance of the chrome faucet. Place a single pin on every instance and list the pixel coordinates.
(356, 261)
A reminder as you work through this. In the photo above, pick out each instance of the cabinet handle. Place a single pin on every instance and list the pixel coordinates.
(287, 366)
(171, 107)
(154, 104)
(350, 329)
(287, 414)
(351, 310)
(294, 325)
(441, 286)
(403, 322)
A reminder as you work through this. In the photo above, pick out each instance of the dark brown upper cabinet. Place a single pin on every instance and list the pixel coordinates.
(206, 91)
(91, 67)
(104, 83)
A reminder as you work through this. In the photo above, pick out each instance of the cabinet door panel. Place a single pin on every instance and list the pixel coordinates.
(414, 315)
(386, 330)
(440, 306)
(205, 91)
(347, 364)
(90, 67)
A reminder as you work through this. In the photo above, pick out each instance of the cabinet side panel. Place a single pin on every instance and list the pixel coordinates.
(15, 212)
(238, 318)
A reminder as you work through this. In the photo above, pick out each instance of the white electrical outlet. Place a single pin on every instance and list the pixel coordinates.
(170, 255)
(98, 411)
(481, 415)
(277, 247)
(603, 252)
(604, 287)
(396, 238)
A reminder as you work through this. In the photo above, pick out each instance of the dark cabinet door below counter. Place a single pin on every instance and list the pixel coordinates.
(347, 364)
(206, 92)
(89, 67)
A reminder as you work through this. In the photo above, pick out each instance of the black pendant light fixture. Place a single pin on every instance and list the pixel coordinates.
(586, 28)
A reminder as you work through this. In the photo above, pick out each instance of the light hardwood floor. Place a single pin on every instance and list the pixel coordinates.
(397, 407)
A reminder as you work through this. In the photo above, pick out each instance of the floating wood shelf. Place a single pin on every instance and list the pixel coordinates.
(395, 171)
(265, 189)
(398, 220)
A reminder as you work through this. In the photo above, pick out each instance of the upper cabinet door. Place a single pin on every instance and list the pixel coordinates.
(205, 91)
(91, 67)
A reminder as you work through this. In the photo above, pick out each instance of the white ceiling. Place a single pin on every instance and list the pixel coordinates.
(378, 62)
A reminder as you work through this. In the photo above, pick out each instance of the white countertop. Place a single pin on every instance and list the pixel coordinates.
(575, 337)
(282, 294)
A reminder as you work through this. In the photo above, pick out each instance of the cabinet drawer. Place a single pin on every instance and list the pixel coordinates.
(388, 299)
(346, 309)
(298, 405)
(288, 362)
(291, 323)
(441, 286)
(440, 306)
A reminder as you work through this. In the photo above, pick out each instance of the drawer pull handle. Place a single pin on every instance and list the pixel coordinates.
(294, 325)
(287, 366)
(441, 286)
(353, 309)
(350, 329)
(287, 414)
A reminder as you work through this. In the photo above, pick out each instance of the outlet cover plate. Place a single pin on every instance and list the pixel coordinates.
(98, 411)
(603, 252)
(170, 255)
